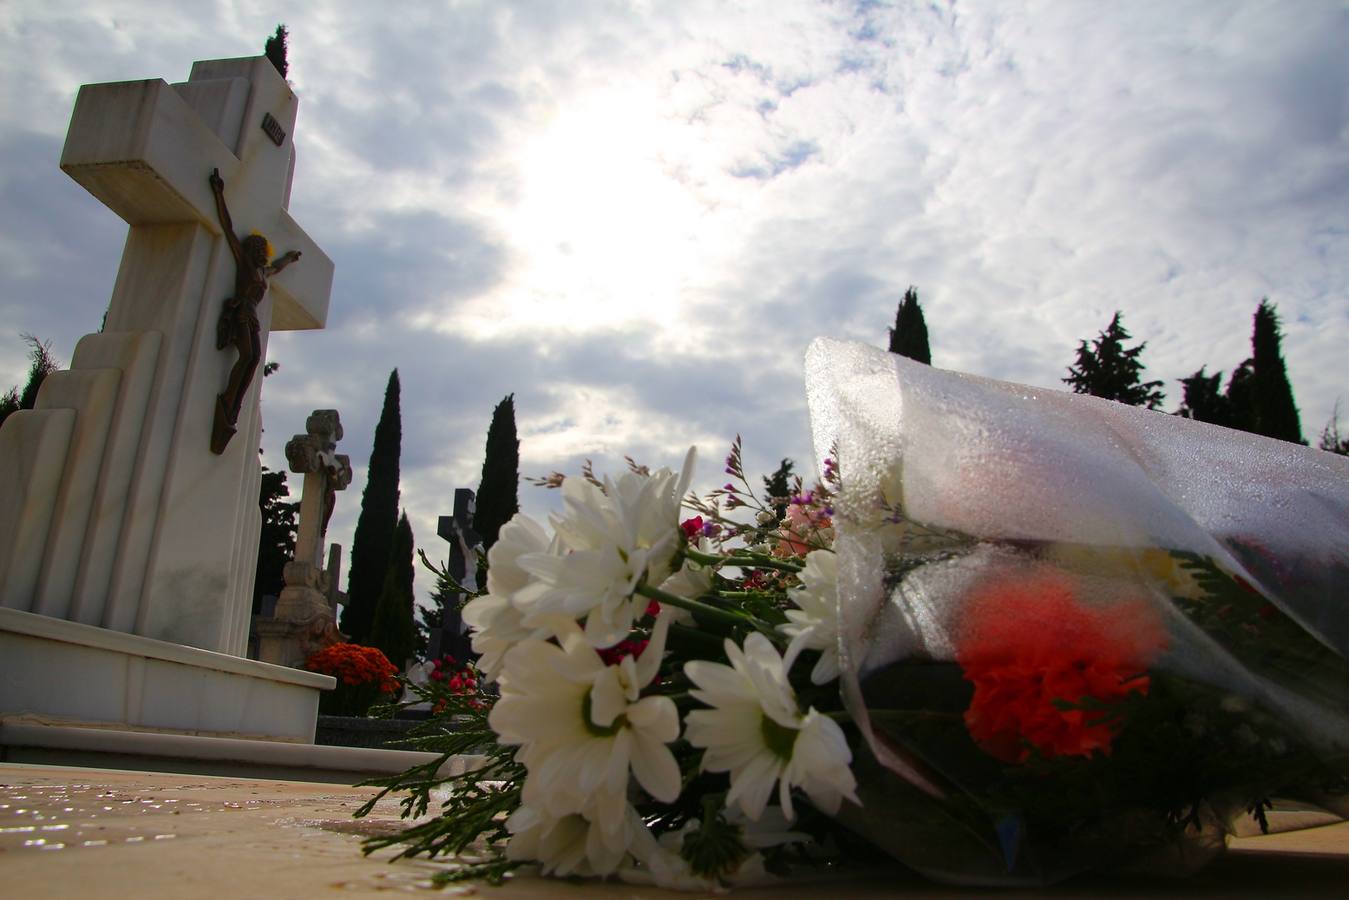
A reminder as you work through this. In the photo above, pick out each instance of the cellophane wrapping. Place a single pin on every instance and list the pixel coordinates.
(1078, 635)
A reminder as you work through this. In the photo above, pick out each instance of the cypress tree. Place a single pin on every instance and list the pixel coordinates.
(393, 629)
(909, 336)
(1240, 398)
(1272, 410)
(431, 618)
(498, 492)
(275, 50)
(373, 540)
(1107, 369)
(778, 487)
(276, 543)
(1331, 438)
(1204, 402)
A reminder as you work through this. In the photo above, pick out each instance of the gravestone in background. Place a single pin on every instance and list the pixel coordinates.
(452, 636)
(305, 618)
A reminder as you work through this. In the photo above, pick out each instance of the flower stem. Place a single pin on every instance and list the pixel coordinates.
(695, 606)
(743, 559)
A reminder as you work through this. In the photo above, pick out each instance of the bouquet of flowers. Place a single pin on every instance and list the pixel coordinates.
(1007, 637)
(460, 681)
(364, 675)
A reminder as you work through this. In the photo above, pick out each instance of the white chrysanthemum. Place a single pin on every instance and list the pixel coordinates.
(615, 538)
(519, 536)
(814, 625)
(756, 731)
(582, 726)
(496, 620)
(573, 844)
(496, 627)
(661, 862)
(693, 579)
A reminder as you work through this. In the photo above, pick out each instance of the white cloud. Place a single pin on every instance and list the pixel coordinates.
(635, 218)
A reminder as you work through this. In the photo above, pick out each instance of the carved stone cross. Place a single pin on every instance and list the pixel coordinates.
(325, 472)
(118, 513)
(306, 612)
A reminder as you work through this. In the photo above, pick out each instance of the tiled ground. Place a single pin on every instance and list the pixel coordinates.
(92, 833)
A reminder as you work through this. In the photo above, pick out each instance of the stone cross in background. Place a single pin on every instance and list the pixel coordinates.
(306, 612)
(325, 471)
(464, 543)
(115, 511)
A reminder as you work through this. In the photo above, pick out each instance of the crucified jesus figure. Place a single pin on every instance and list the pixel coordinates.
(238, 325)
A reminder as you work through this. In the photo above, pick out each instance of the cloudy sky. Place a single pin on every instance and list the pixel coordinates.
(635, 215)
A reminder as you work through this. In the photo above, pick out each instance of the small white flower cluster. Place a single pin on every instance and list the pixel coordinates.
(590, 733)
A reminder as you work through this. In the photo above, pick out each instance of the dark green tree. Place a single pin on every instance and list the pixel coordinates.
(1240, 398)
(1106, 368)
(1331, 438)
(9, 404)
(41, 364)
(430, 618)
(1205, 402)
(909, 336)
(275, 50)
(372, 542)
(778, 486)
(393, 629)
(1272, 411)
(276, 543)
(498, 491)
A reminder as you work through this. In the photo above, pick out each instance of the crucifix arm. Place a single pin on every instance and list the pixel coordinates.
(218, 188)
(282, 261)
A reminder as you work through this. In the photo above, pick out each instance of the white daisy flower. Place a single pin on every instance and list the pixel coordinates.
(496, 620)
(814, 625)
(496, 627)
(572, 844)
(615, 538)
(757, 733)
(519, 536)
(661, 862)
(582, 725)
(693, 579)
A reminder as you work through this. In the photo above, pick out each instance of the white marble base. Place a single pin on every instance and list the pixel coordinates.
(36, 743)
(61, 671)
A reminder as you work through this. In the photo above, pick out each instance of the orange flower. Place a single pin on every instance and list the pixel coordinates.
(1030, 647)
(353, 665)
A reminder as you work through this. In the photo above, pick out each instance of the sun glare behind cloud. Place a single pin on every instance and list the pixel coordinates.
(602, 229)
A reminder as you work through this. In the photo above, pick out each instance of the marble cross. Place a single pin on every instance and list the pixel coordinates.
(123, 517)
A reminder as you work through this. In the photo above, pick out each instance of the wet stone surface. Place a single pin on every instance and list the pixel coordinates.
(97, 833)
(255, 832)
(90, 814)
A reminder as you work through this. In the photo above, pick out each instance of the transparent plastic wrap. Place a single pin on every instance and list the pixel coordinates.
(1076, 634)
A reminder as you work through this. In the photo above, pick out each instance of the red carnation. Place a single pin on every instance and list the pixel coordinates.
(614, 655)
(692, 527)
(1030, 645)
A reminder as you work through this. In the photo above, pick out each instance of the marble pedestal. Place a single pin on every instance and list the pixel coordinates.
(61, 672)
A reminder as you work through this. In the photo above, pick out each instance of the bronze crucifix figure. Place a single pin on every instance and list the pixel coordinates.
(238, 325)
